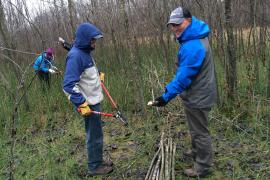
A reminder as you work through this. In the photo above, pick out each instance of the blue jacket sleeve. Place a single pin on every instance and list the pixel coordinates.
(74, 69)
(191, 59)
(39, 65)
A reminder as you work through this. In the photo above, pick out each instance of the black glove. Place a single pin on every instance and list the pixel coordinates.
(159, 102)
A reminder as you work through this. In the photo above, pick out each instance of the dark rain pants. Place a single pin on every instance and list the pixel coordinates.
(45, 80)
(200, 137)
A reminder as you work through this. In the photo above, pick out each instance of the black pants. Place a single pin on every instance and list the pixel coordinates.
(45, 80)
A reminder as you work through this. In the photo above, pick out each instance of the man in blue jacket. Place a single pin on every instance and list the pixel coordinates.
(195, 83)
(82, 86)
(43, 65)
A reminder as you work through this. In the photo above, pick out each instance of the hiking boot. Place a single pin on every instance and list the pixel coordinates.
(101, 170)
(193, 173)
(190, 153)
(107, 162)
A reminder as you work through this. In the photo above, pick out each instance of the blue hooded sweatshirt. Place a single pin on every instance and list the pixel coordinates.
(81, 81)
(191, 56)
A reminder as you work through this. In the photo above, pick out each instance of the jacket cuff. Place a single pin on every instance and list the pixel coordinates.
(165, 97)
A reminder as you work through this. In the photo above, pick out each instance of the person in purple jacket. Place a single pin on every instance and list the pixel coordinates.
(83, 88)
(195, 83)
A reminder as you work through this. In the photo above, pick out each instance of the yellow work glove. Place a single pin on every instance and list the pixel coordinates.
(84, 109)
(102, 76)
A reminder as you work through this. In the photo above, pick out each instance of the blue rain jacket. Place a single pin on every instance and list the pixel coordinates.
(191, 55)
(42, 63)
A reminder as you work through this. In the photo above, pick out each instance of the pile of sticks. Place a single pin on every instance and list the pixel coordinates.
(163, 163)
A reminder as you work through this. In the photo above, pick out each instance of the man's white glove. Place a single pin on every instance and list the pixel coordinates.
(52, 71)
(61, 40)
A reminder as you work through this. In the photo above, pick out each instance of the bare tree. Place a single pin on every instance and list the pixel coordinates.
(72, 14)
(231, 77)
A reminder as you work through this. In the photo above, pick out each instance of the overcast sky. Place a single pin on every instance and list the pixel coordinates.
(34, 5)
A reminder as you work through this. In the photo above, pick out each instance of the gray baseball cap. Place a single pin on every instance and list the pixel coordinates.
(176, 17)
(98, 36)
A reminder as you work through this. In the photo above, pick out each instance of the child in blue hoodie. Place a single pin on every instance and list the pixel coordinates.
(83, 88)
(195, 83)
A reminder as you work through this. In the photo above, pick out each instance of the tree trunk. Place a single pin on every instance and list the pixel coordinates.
(230, 71)
(72, 15)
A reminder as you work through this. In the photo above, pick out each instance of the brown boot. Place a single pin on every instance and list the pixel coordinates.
(193, 173)
(107, 162)
(101, 170)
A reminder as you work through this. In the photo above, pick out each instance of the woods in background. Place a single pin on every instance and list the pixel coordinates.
(138, 55)
(239, 33)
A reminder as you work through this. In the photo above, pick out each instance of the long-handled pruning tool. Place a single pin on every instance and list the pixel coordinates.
(118, 115)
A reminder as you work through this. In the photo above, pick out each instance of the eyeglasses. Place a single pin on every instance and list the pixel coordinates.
(175, 25)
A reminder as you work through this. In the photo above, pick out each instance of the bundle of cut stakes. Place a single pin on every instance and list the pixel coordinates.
(163, 163)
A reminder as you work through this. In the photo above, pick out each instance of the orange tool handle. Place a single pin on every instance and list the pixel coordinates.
(100, 113)
(109, 96)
